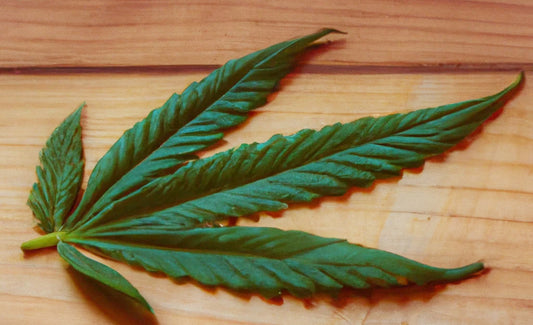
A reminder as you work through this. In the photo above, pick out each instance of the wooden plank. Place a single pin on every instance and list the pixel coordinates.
(148, 33)
(473, 203)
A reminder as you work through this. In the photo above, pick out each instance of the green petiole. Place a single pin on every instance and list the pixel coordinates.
(48, 240)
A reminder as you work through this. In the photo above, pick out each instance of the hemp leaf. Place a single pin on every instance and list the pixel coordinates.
(151, 203)
(60, 176)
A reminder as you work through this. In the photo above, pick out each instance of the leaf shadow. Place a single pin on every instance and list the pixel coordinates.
(116, 307)
(399, 296)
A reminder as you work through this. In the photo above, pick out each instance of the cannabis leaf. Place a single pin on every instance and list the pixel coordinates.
(150, 202)
(60, 174)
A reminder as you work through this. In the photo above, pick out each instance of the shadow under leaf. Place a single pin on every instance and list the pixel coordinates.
(117, 307)
(345, 297)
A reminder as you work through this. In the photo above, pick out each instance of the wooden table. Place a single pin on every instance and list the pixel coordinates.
(126, 57)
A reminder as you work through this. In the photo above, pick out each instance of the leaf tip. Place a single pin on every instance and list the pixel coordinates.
(328, 30)
(146, 305)
(513, 88)
(81, 107)
(520, 78)
(461, 273)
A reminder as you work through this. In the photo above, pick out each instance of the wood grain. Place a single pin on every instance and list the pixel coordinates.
(169, 33)
(126, 57)
(472, 203)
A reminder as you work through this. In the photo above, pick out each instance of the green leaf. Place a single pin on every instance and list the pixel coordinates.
(149, 202)
(100, 272)
(189, 122)
(60, 174)
(297, 168)
(268, 260)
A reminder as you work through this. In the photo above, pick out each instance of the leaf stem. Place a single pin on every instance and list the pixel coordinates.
(47, 240)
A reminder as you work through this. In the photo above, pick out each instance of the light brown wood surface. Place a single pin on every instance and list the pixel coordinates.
(473, 203)
(140, 33)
